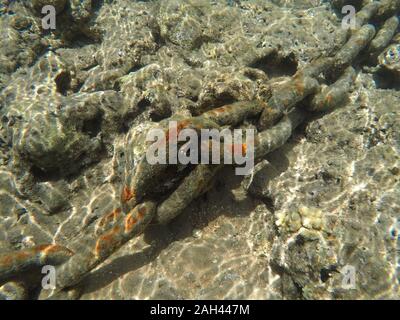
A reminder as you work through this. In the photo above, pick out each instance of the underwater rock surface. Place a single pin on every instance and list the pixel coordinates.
(326, 201)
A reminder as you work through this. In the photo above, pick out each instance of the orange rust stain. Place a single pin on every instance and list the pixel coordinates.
(41, 247)
(141, 212)
(127, 194)
(106, 241)
(299, 85)
(220, 110)
(22, 255)
(113, 215)
(105, 220)
(173, 132)
(236, 148)
(182, 125)
(54, 248)
(198, 127)
(130, 222)
(7, 260)
(244, 148)
(109, 236)
(185, 123)
(99, 247)
(329, 99)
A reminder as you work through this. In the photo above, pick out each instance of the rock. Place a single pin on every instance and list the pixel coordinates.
(58, 132)
(52, 196)
(59, 5)
(181, 23)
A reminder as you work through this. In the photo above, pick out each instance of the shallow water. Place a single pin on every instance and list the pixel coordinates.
(318, 218)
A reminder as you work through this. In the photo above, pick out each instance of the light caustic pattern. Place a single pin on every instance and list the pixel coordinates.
(275, 120)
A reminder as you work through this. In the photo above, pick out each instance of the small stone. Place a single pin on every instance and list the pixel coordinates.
(389, 60)
(12, 291)
(196, 233)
